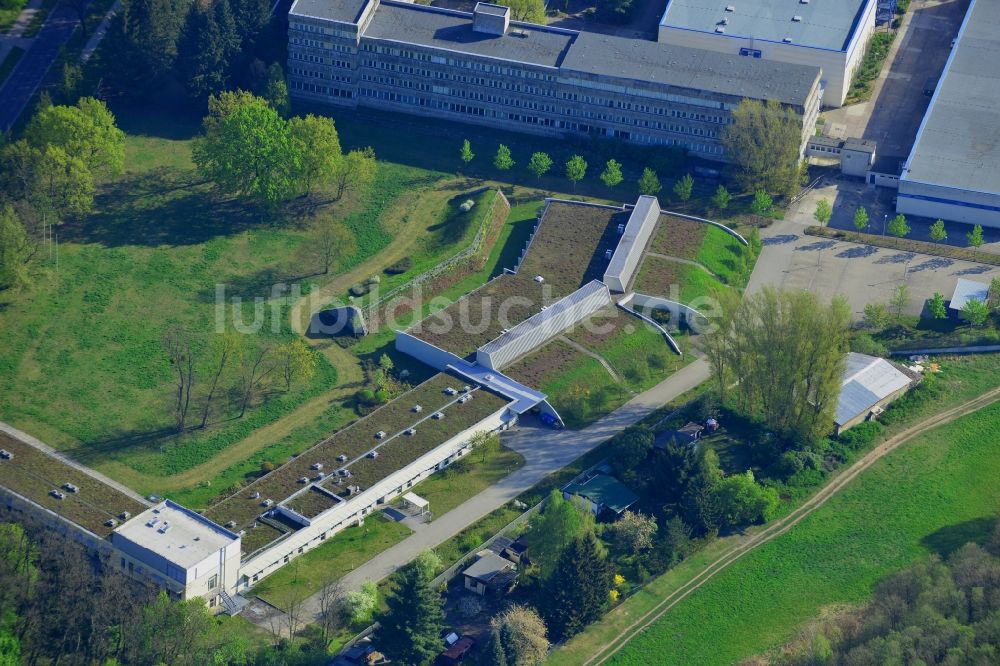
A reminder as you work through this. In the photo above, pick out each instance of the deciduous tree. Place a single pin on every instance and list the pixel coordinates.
(502, 160)
(15, 250)
(612, 174)
(465, 152)
(721, 198)
(529, 11)
(358, 169)
(763, 143)
(539, 164)
(177, 345)
(975, 237)
(633, 532)
(823, 212)
(576, 170)
(519, 637)
(936, 306)
(276, 90)
(684, 187)
(85, 131)
(296, 362)
(976, 312)
(762, 203)
(649, 183)
(877, 316)
(860, 220)
(938, 232)
(742, 501)
(899, 302)
(317, 143)
(226, 347)
(331, 243)
(554, 529)
(898, 227)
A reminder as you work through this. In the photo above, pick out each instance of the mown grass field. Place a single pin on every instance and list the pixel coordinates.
(930, 495)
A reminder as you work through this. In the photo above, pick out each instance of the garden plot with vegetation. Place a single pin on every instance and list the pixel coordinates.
(395, 451)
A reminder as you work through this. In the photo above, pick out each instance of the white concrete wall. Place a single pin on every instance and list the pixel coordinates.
(351, 512)
(423, 351)
(934, 201)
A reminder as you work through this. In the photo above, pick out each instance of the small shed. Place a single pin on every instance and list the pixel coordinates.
(514, 550)
(687, 436)
(490, 574)
(415, 501)
(607, 497)
(870, 384)
(458, 651)
(968, 290)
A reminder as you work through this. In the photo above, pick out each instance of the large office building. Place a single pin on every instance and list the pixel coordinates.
(953, 171)
(829, 34)
(483, 68)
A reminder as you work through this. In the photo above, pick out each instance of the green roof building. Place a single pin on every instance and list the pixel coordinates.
(605, 494)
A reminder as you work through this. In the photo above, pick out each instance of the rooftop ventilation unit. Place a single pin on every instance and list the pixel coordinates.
(418, 409)
(152, 522)
(539, 279)
(255, 495)
(124, 515)
(164, 528)
(70, 487)
(720, 30)
(723, 21)
(379, 435)
(466, 388)
(787, 40)
(439, 415)
(730, 8)
(303, 480)
(111, 522)
(267, 502)
(464, 399)
(621, 227)
(607, 254)
(342, 457)
(410, 432)
(316, 466)
(231, 524)
(450, 391)
(796, 19)
(5, 454)
(320, 476)
(342, 472)
(374, 454)
(803, 2)
(58, 495)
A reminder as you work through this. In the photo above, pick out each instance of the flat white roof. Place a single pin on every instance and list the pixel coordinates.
(867, 381)
(967, 290)
(178, 535)
(416, 500)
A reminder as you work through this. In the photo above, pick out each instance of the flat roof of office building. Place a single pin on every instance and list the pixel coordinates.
(176, 534)
(452, 30)
(345, 11)
(820, 24)
(957, 144)
(695, 69)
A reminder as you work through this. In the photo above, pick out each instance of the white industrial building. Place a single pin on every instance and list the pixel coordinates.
(830, 34)
(635, 237)
(953, 171)
(181, 551)
(869, 385)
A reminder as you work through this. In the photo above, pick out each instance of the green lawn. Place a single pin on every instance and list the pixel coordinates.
(936, 493)
(720, 253)
(341, 554)
(467, 478)
(82, 357)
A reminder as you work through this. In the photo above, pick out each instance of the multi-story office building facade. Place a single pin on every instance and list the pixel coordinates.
(482, 68)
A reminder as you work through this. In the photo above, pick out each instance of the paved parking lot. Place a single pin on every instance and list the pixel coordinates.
(862, 273)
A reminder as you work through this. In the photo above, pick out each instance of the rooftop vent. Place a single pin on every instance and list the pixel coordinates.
(621, 229)
(342, 457)
(152, 522)
(5, 454)
(343, 472)
(466, 388)
(111, 522)
(231, 524)
(490, 19)
(320, 476)
(450, 391)
(410, 432)
(418, 409)
(379, 435)
(374, 454)
(124, 515)
(720, 30)
(723, 21)
(316, 466)
(787, 40)
(267, 502)
(164, 528)
(464, 399)
(539, 279)
(439, 415)
(803, 2)
(607, 254)
(730, 8)
(796, 19)
(255, 495)
(55, 493)
(303, 479)
(70, 487)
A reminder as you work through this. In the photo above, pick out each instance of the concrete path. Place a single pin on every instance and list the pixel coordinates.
(545, 451)
(99, 33)
(678, 260)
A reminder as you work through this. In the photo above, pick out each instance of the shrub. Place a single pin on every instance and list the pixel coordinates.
(359, 290)
(266, 466)
(467, 205)
(863, 343)
(401, 266)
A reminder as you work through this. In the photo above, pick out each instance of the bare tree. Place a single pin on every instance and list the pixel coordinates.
(331, 608)
(254, 373)
(331, 243)
(177, 345)
(226, 346)
(294, 608)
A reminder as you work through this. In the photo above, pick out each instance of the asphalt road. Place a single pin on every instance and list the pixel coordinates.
(32, 68)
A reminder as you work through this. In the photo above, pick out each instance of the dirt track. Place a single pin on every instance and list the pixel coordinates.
(781, 526)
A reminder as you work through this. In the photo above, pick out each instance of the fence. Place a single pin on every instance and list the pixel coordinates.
(474, 248)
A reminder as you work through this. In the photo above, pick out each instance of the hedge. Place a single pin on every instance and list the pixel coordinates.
(892, 243)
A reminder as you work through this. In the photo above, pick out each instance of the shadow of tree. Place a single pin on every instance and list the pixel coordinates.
(166, 206)
(948, 539)
(818, 246)
(974, 270)
(858, 252)
(932, 265)
(898, 258)
(782, 239)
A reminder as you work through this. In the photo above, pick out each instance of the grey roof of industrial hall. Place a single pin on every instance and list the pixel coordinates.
(867, 381)
(968, 290)
(823, 24)
(345, 11)
(958, 144)
(451, 30)
(695, 69)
